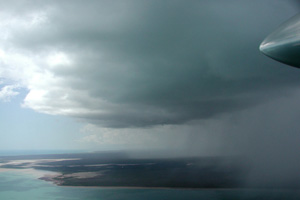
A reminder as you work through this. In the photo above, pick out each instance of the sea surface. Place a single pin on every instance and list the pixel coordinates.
(25, 185)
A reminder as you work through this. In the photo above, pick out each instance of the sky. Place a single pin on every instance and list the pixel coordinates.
(185, 76)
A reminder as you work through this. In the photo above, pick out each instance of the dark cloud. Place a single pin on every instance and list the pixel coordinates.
(146, 63)
(190, 70)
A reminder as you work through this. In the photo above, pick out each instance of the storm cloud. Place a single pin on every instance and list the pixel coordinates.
(186, 76)
(142, 63)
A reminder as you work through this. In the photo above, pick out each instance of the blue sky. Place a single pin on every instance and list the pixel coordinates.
(23, 128)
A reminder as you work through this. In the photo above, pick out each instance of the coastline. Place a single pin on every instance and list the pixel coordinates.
(49, 176)
(58, 183)
(148, 188)
(51, 179)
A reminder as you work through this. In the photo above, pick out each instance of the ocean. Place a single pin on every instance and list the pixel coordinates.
(25, 185)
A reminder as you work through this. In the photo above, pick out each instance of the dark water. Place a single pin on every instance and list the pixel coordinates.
(20, 185)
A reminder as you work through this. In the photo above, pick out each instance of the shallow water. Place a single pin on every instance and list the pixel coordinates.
(20, 185)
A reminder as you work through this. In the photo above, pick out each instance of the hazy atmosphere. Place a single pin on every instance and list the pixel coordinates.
(159, 75)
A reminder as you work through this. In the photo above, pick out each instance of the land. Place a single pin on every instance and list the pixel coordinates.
(115, 169)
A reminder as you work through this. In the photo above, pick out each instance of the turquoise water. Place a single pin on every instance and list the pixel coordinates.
(16, 185)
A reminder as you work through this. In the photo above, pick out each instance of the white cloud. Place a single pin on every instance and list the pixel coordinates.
(7, 92)
(58, 59)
